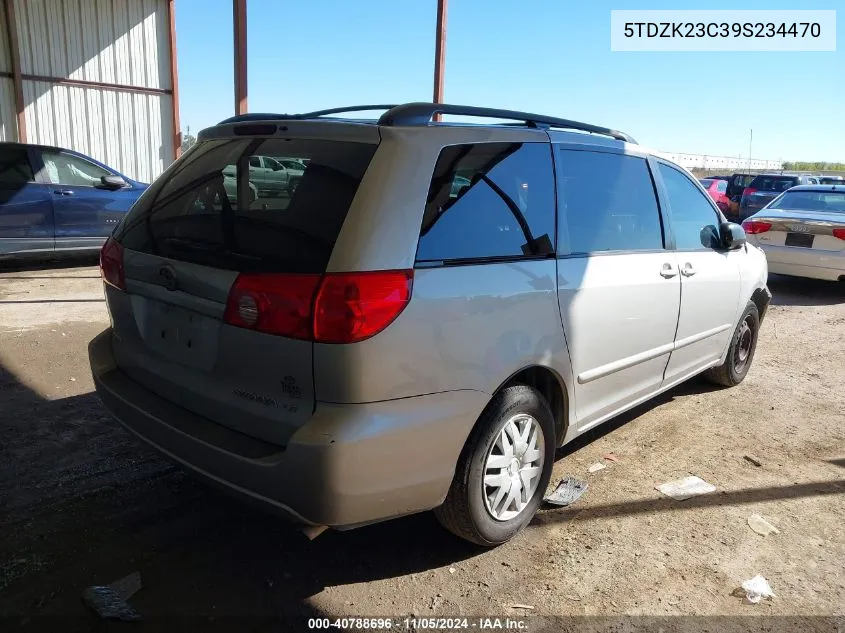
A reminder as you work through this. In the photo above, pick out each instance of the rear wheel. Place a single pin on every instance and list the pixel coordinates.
(504, 469)
(741, 351)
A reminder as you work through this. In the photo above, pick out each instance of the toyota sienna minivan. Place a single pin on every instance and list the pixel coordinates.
(433, 311)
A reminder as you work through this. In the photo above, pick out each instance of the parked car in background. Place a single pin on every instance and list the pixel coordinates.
(54, 199)
(802, 232)
(736, 185)
(831, 180)
(231, 187)
(717, 189)
(270, 177)
(766, 187)
(393, 343)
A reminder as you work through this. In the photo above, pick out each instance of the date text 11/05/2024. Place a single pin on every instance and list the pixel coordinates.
(419, 624)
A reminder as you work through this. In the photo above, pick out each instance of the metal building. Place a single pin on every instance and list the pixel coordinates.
(701, 161)
(95, 76)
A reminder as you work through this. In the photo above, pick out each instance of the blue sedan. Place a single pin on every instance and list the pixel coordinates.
(54, 199)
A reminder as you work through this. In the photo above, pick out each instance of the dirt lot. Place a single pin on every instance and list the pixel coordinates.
(84, 503)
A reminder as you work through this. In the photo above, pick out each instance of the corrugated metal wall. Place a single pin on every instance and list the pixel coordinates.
(122, 42)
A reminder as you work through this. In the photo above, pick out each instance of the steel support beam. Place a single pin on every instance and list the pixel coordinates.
(14, 46)
(239, 19)
(174, 81)
(439, 53)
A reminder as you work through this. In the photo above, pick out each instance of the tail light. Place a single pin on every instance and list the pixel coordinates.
(840, 233)
(355, 306)
(330, 308)
(753, 227)
(111, 264)
(273, 303)
(748, 191)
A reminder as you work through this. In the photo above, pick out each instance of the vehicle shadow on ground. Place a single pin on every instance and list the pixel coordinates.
(796, 291)
(33, 263)
(82, 503)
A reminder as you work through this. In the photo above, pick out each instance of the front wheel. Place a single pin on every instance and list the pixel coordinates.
(504, 469)
(741, 351)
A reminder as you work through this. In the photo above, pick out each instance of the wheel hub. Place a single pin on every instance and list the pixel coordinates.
(513, 467)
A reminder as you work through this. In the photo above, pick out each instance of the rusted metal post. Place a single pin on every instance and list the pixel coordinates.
(14, 46)
(239, 18)
(439, 53)
(174, 81)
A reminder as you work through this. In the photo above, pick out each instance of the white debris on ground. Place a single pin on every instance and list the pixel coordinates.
(685, 488)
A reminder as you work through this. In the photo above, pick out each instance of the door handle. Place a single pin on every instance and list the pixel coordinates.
(687, 270)
(63, 192)
(668, 270)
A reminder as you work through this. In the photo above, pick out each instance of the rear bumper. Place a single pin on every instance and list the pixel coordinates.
(809, 272)
(813, 264)
(348, 465)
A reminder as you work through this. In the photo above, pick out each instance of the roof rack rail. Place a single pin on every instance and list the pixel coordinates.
(266, 116)
(422, 112)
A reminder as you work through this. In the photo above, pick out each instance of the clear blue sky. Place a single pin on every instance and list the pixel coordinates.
(548, 56)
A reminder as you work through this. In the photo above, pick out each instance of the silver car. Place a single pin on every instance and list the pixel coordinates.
(439, 308)
(802, 232)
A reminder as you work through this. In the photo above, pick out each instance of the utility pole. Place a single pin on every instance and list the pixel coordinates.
(750, 140)
(239, 20)
(439, 53)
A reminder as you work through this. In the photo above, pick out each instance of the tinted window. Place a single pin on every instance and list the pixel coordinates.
(14, 167)
(738, 183)
(773, 183)
(832, 202)
(489, 200)
(694, 221)
(706, 183)
(255, 161)
(207, 210)
(67, 169)
(606, 202)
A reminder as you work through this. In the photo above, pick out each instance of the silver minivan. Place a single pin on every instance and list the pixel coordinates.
(434, 310)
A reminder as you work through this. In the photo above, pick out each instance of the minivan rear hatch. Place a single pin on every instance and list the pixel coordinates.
(183, 325)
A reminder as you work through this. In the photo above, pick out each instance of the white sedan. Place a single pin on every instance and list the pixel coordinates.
(802, 232)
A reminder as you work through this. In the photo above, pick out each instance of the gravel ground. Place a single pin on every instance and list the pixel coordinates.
(84, 503)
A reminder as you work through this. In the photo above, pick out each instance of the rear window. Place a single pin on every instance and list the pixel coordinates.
(706, 183)
(217, 208)
(773, 183)
(739, 182)
(830, 202)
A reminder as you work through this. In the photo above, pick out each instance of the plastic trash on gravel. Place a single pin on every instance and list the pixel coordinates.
(568, 491)
(756, 589)
(761, 526)
(109, 602)
(685, 488)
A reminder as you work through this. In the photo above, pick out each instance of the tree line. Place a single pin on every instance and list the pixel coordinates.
(810, 166)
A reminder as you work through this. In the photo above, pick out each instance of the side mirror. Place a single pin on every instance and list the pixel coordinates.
(733, 236)
(112, 183)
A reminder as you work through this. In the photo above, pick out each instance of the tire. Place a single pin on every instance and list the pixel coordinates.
(292, 187)
(741, 350)
(466, 512)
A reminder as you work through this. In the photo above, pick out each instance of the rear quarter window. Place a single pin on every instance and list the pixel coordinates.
(489, 201)
(211, 209)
